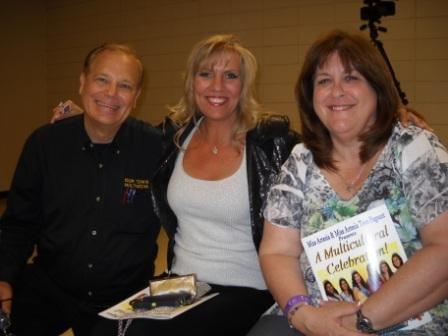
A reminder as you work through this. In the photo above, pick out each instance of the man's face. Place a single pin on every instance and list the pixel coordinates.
(110, 89)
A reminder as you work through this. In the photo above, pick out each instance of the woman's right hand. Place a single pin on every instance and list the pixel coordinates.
(327, 319)
(65, 110)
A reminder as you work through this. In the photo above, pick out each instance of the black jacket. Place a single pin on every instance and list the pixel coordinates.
(267, 147)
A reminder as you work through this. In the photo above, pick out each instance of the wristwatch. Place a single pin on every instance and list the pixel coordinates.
(363, 323)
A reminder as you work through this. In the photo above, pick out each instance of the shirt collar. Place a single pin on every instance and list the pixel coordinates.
(117, 143)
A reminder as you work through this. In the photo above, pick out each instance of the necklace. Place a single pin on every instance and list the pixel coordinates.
(214, 148)
(349, 185)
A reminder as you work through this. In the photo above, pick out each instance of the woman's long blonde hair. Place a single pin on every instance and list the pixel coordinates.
(248, 109)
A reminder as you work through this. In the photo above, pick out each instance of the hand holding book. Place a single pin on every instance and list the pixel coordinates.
(357, 249)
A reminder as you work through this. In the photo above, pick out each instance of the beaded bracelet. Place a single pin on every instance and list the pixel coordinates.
(293, 311)
(296, 299)
(294, 304)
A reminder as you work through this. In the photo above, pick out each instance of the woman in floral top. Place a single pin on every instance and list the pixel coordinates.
(356, 155)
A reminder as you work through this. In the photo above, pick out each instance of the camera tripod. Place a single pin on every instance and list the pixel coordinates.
(373, 12)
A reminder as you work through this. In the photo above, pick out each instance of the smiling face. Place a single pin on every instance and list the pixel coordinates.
(396, 261)
(217, 86)
(329, 288)
(343, 99)
(109, 90)
(344, 285)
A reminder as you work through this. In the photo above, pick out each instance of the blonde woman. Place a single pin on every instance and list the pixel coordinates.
(220, 158)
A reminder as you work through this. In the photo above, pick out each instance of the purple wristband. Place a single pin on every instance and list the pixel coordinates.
(294, 301)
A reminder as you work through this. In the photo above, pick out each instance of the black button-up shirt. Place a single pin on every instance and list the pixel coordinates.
(88, 207)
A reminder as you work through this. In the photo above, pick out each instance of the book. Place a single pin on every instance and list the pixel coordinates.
(123, 310)
(353, 258)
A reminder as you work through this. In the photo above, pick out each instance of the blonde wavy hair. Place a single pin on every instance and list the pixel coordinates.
(248, 109)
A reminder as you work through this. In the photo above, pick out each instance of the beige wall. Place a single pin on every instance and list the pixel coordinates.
(22, 72)
(278, 32)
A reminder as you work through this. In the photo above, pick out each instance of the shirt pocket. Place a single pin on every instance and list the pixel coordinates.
(137, 212)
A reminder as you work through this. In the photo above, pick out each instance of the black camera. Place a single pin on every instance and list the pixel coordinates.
(376, 9)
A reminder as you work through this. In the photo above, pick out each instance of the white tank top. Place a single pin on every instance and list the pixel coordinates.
(214, 236)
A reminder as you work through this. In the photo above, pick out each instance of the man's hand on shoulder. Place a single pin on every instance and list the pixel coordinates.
(65, 110)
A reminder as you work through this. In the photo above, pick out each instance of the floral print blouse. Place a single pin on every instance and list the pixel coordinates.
(410, 176)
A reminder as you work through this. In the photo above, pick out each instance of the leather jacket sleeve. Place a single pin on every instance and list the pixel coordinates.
(161, 179)
(268, 147)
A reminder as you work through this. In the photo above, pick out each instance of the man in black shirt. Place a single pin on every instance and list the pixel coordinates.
(81, 195)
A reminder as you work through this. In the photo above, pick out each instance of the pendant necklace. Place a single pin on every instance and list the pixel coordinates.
(349, 186)
(215, 149)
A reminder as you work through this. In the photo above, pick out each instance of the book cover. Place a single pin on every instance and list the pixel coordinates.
(353, 258)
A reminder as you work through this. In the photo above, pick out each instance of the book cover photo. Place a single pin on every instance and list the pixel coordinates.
(353, 258)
